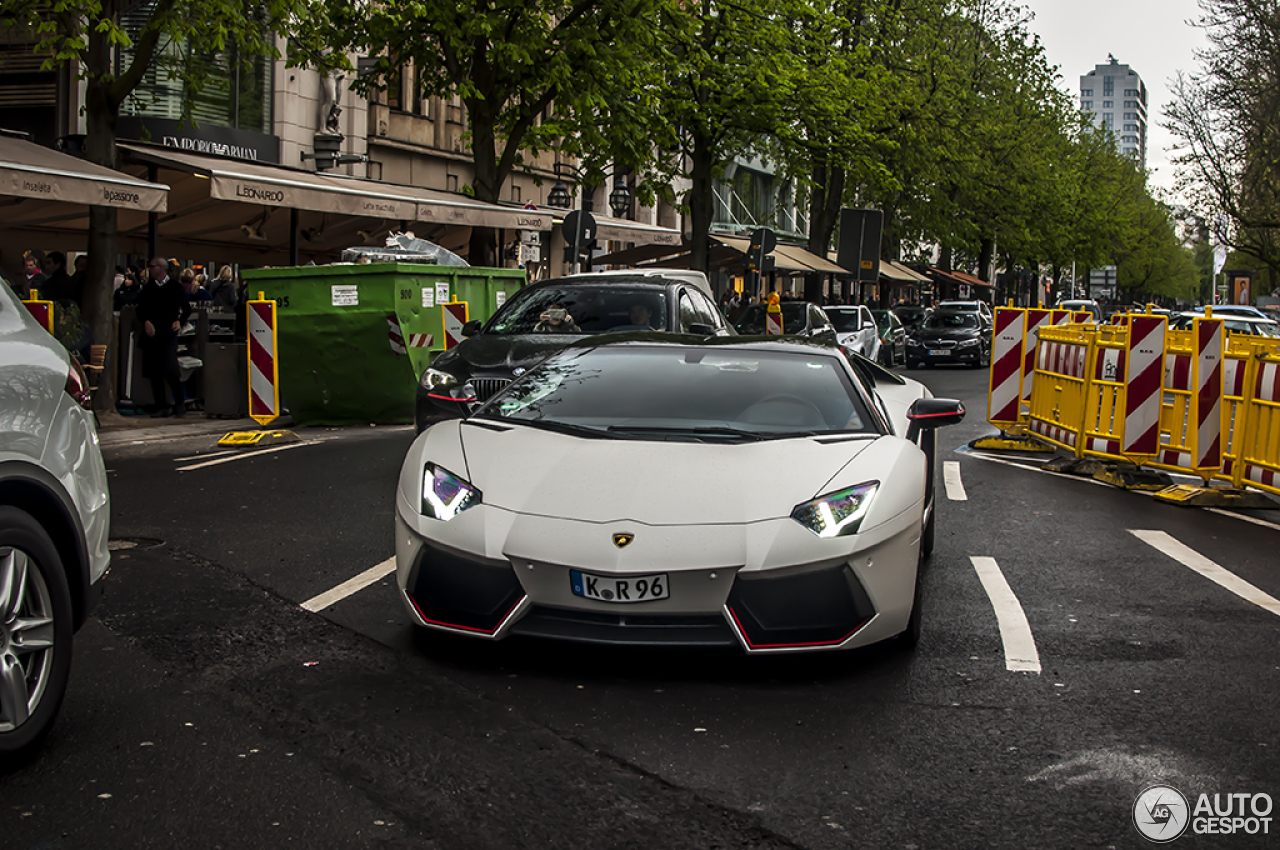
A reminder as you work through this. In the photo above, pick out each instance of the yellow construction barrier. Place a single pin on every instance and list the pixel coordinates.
(1257, 462)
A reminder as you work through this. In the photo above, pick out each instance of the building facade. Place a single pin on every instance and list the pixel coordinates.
(1114, 95)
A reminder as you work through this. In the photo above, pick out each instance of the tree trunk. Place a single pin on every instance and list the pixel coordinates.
(985, 256)
(487, 182)
(100, 148)
(700, 208)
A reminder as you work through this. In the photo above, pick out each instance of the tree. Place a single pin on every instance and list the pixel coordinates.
(88, 36)
(531, 75)
(1224, 118)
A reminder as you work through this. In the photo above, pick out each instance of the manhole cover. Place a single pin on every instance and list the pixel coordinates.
(117, 544)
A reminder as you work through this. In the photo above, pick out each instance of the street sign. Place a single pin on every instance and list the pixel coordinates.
(264, 368)
(579, 232)
(763, 241)
(859, 248)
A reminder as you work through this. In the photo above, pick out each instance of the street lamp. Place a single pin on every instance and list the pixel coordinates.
(619, 198)
(559, 196)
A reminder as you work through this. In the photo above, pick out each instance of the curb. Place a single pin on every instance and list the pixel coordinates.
(117, 430)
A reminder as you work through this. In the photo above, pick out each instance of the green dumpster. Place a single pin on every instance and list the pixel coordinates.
(354, 339)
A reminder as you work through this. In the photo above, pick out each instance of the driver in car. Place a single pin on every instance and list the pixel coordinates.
(640, 316)
(556, 320)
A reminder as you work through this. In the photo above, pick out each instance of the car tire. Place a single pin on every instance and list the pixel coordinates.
(43, 595)
(926, 536)
(909, 638)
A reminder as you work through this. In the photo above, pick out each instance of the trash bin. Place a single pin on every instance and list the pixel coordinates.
(354, 339)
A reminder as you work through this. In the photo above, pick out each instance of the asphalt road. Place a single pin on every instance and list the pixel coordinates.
(208, 709)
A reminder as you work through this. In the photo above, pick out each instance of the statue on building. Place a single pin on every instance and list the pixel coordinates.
(330, 111)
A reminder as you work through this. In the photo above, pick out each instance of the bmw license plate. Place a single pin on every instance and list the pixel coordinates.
(939, 352)
(614, 589)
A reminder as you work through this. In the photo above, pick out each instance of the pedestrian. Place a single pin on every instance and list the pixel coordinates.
(33, 271)
(128, 292)
(223, 288)
(162, 310)
(80, 275)
(58, 285)
(198, 291)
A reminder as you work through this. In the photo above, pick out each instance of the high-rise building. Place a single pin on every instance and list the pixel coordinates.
(1116, 97)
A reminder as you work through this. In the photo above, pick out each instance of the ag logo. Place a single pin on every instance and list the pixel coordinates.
(623, 539)
(1161, 813)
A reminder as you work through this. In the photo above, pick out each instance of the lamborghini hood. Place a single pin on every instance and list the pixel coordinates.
(533, 471)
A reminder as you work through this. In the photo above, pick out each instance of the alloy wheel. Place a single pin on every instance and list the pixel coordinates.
(26, 638)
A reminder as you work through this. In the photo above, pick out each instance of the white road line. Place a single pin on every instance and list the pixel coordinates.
(206, 455)
(1189, 557)
(350, 586)
(1020, 653)
(951, 478)
(240, 456)
(1245, 517)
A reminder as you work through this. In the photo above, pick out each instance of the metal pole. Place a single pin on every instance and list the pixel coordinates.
(293, 236)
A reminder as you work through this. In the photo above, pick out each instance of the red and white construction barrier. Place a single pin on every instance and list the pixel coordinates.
(1144, 383)
(1207, 404)
(1036, 319)
(1006, 367)
(264, 368)
(394, 334)
(455, 316)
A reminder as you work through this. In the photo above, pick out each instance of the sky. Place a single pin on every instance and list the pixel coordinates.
(1150, 36)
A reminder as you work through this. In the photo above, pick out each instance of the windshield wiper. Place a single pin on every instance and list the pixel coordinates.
(553, 425)
(705, 431)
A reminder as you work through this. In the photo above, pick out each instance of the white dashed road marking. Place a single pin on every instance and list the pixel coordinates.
(1189, 557)
(1020, 653)
(241, 456)
(951, 478)
(351, 586)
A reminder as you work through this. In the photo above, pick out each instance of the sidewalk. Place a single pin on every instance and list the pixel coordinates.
(116, 430)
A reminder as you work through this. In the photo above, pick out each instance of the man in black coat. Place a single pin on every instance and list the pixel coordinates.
(162, 309)
(59, 286)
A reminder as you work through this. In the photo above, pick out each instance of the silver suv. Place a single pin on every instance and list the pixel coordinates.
(54, 516)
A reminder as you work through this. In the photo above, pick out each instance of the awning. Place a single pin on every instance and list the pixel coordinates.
(625, 230)
(28, 170)
(276, 186)
(898, 272)
(962, 278)
(790, 258)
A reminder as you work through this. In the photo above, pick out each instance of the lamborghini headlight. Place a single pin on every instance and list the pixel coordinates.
(445, 495)
(434, 379)
(836, 514)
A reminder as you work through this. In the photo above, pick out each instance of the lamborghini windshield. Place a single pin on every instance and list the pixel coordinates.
(681, 392)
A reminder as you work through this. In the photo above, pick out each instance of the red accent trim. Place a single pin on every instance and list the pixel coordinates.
(934, 415)
(490, 632)
(743, 632)
(446, 397)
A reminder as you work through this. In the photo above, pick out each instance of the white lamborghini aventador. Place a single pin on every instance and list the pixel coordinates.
(773, 495)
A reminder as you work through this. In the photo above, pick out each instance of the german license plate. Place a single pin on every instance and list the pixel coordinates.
(940, 352)
(619, 589)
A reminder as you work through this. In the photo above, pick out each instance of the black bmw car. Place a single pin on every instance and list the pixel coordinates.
(545, 317)
(951, 336)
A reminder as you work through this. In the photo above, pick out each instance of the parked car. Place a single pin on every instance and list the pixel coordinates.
(975, 306)
(547, 316)
(856, 329)
(1249, 325)
(893, 337)
(799, 318)
(1224, 310)
(911, 315)
(1082, 305)
(951, 336)
(612, 496)
(54, 516)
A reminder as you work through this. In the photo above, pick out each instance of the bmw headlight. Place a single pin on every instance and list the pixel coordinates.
(836, 514)
(968, 343)
(913, 342)
(445, 495)
(434, 379)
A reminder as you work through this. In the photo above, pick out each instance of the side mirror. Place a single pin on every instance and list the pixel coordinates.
(471, 328)
(929, 413)
(701, 329)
